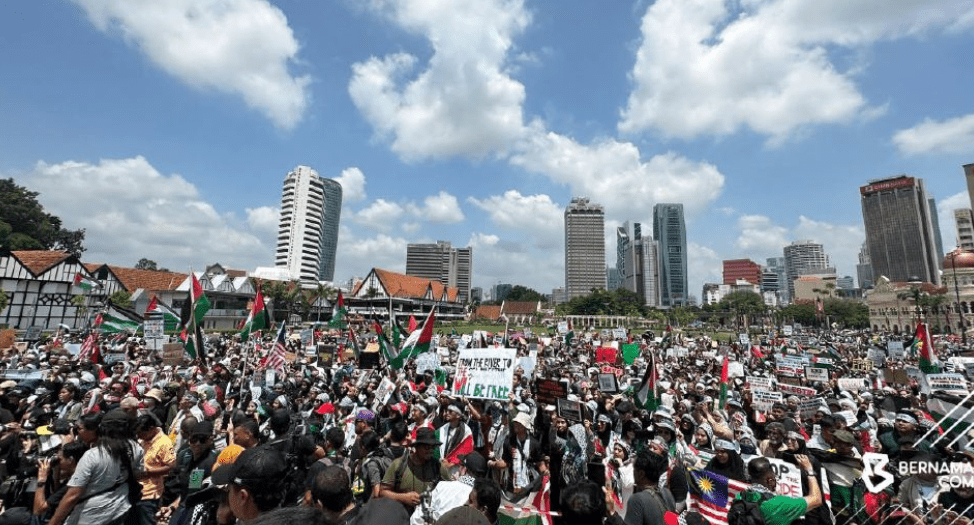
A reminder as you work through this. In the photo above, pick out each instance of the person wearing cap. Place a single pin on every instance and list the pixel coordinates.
(844, 467)
(456, 438)
(98, 491)
(255, 482)
(416, 473)
(522, 457)
(451, 494)
(193, 464)
(160, 458)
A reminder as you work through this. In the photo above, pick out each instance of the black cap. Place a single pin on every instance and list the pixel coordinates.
(258, 467)
(201, 428)
(476, 464)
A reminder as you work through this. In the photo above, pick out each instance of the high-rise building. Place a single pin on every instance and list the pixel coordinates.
(441, 262)
(864, 270)
(969, 175)
(641, 261)
(802, 258)
(310, 212)
(501, 291)
(900, 230)
(745, 269)
(613, 279)
(622, 246)
(935, 222)
(775, 279)
(584, 248)
(329, 228)
(964, 221)
(670, 232)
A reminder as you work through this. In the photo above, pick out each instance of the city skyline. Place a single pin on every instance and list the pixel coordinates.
(479, 123)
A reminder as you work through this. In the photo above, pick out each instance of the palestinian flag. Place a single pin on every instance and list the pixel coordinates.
(169, 316)
(197, 305)
(923, 346)
(385, 348)
(941, 404)
(192, 338)
(413, 325)
(84, 282)
(648, 395)
(353, 343)
(397, 331)
(257, 319)
(723, 383)
(757, 353)
(570, 335)
(338, 313)
(667, 337)
(115, 320)
(417, 343)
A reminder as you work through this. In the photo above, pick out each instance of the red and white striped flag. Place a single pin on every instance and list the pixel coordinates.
(276, 358)
(711, 494)
(88, 347)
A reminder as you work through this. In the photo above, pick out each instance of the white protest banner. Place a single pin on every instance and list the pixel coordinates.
(802, 391)
(113, 357)
(759, 383)
(154, 329)
(763, 399)
(619, 333)
(735, 369)
(485, 373)
(896, 350)
(384, 391)
(427, 361)
(947, 382)
(817, 374)
(677, 351)
(744, 339)
(563, 327)
(790, 368)
(808, 407)
(789, 479)
(848, 415)
(824, 361)
(527, 364)
(787, 330)
(852, 383)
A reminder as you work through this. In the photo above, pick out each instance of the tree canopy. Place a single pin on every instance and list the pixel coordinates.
(523, 293)
(601, 302)
(24, 225)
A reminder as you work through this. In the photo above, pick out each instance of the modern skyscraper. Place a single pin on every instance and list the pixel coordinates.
(745, 269)
(802, 258)
(640, 260)
(310, 212)
(670, 232)
(329, 228)
(969, 175)
(964, 221)
(584, 248)
(864, 270)
(441, 262)
(775, 279)
(900, 230)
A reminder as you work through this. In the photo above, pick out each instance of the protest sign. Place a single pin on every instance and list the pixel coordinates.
(677, 351)
(485, 373)
(22, 375)
(789, 478)
(427, 361)
(607, 383)
(896, 350)
(154, 329)
(33, 333)
(306, 336)
(326, 355)
(606, 355)
(896, 376)
(172, 354)
(802, 391)
(368, 360)
(73, 349)
(953, 383)
(629, 353)
(852, 383)
(619, 333)
(527, 364)
(759, 383)
(790, 368)
(618, 372)
(786, 330)
(570, 410)
(808, 407)
(549, 390)
(824, 362)
(877, 356)
(743, 339)
(862, 365)
(817, 374)
(563, 327)
(384, 391)
(763, 399)
(735, 369)
(848, 415)
(113, 357)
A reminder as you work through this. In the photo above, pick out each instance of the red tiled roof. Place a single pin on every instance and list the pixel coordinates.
(40, 261)
(488, 311)
(520, 307)
(408, 286)
(133, 279)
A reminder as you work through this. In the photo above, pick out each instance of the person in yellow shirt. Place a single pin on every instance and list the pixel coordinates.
(160, 458)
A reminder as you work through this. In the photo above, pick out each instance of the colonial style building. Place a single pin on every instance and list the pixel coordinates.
(383, 291)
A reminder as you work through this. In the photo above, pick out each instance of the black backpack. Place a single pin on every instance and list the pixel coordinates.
(743, 512)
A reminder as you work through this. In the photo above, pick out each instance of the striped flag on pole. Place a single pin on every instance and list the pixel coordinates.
(88, 347)
(276, 358)
(712, 494)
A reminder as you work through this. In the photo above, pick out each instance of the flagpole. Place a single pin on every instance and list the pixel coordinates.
(947, 415)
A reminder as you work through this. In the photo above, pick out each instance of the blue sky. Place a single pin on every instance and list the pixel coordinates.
(165, 128)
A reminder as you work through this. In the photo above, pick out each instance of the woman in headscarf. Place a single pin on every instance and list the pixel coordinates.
(619, 476)
(703, 438)
(727, 461)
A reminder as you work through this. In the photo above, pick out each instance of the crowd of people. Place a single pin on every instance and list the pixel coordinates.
(689, 430)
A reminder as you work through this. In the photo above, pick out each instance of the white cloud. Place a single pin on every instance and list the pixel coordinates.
(498, 260)
(945, 212)
(441, 208)
(244, 48)
(612, 174)
(760, 236)
(955, 135)
(411, 227)
(702, 69)
(357, 255)
(703, 266)
(353, 185)
(840, 242)
(130, 211)
(263, 218)
(381, 215)
(463, 103)
(534, 216)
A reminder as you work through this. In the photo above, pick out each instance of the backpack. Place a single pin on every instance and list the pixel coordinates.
(743, 512)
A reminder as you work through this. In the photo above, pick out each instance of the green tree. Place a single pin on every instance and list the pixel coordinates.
(523, 293)
(4, 300)
(24, 225)
(146, 264)
(121, 298)
(803, 313)
(682, 316)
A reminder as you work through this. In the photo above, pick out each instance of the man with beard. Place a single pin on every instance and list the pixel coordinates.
(773, 446)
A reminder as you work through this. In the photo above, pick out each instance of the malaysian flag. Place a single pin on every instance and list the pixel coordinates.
(276, 357)
(712, 494)
(88, 348)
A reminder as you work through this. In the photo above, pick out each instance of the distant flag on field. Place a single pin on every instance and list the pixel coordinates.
(922, 345)
(83, 281)
(648, 396)
(257, 319)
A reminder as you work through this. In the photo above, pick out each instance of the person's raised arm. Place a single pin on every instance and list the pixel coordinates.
(814, 498)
